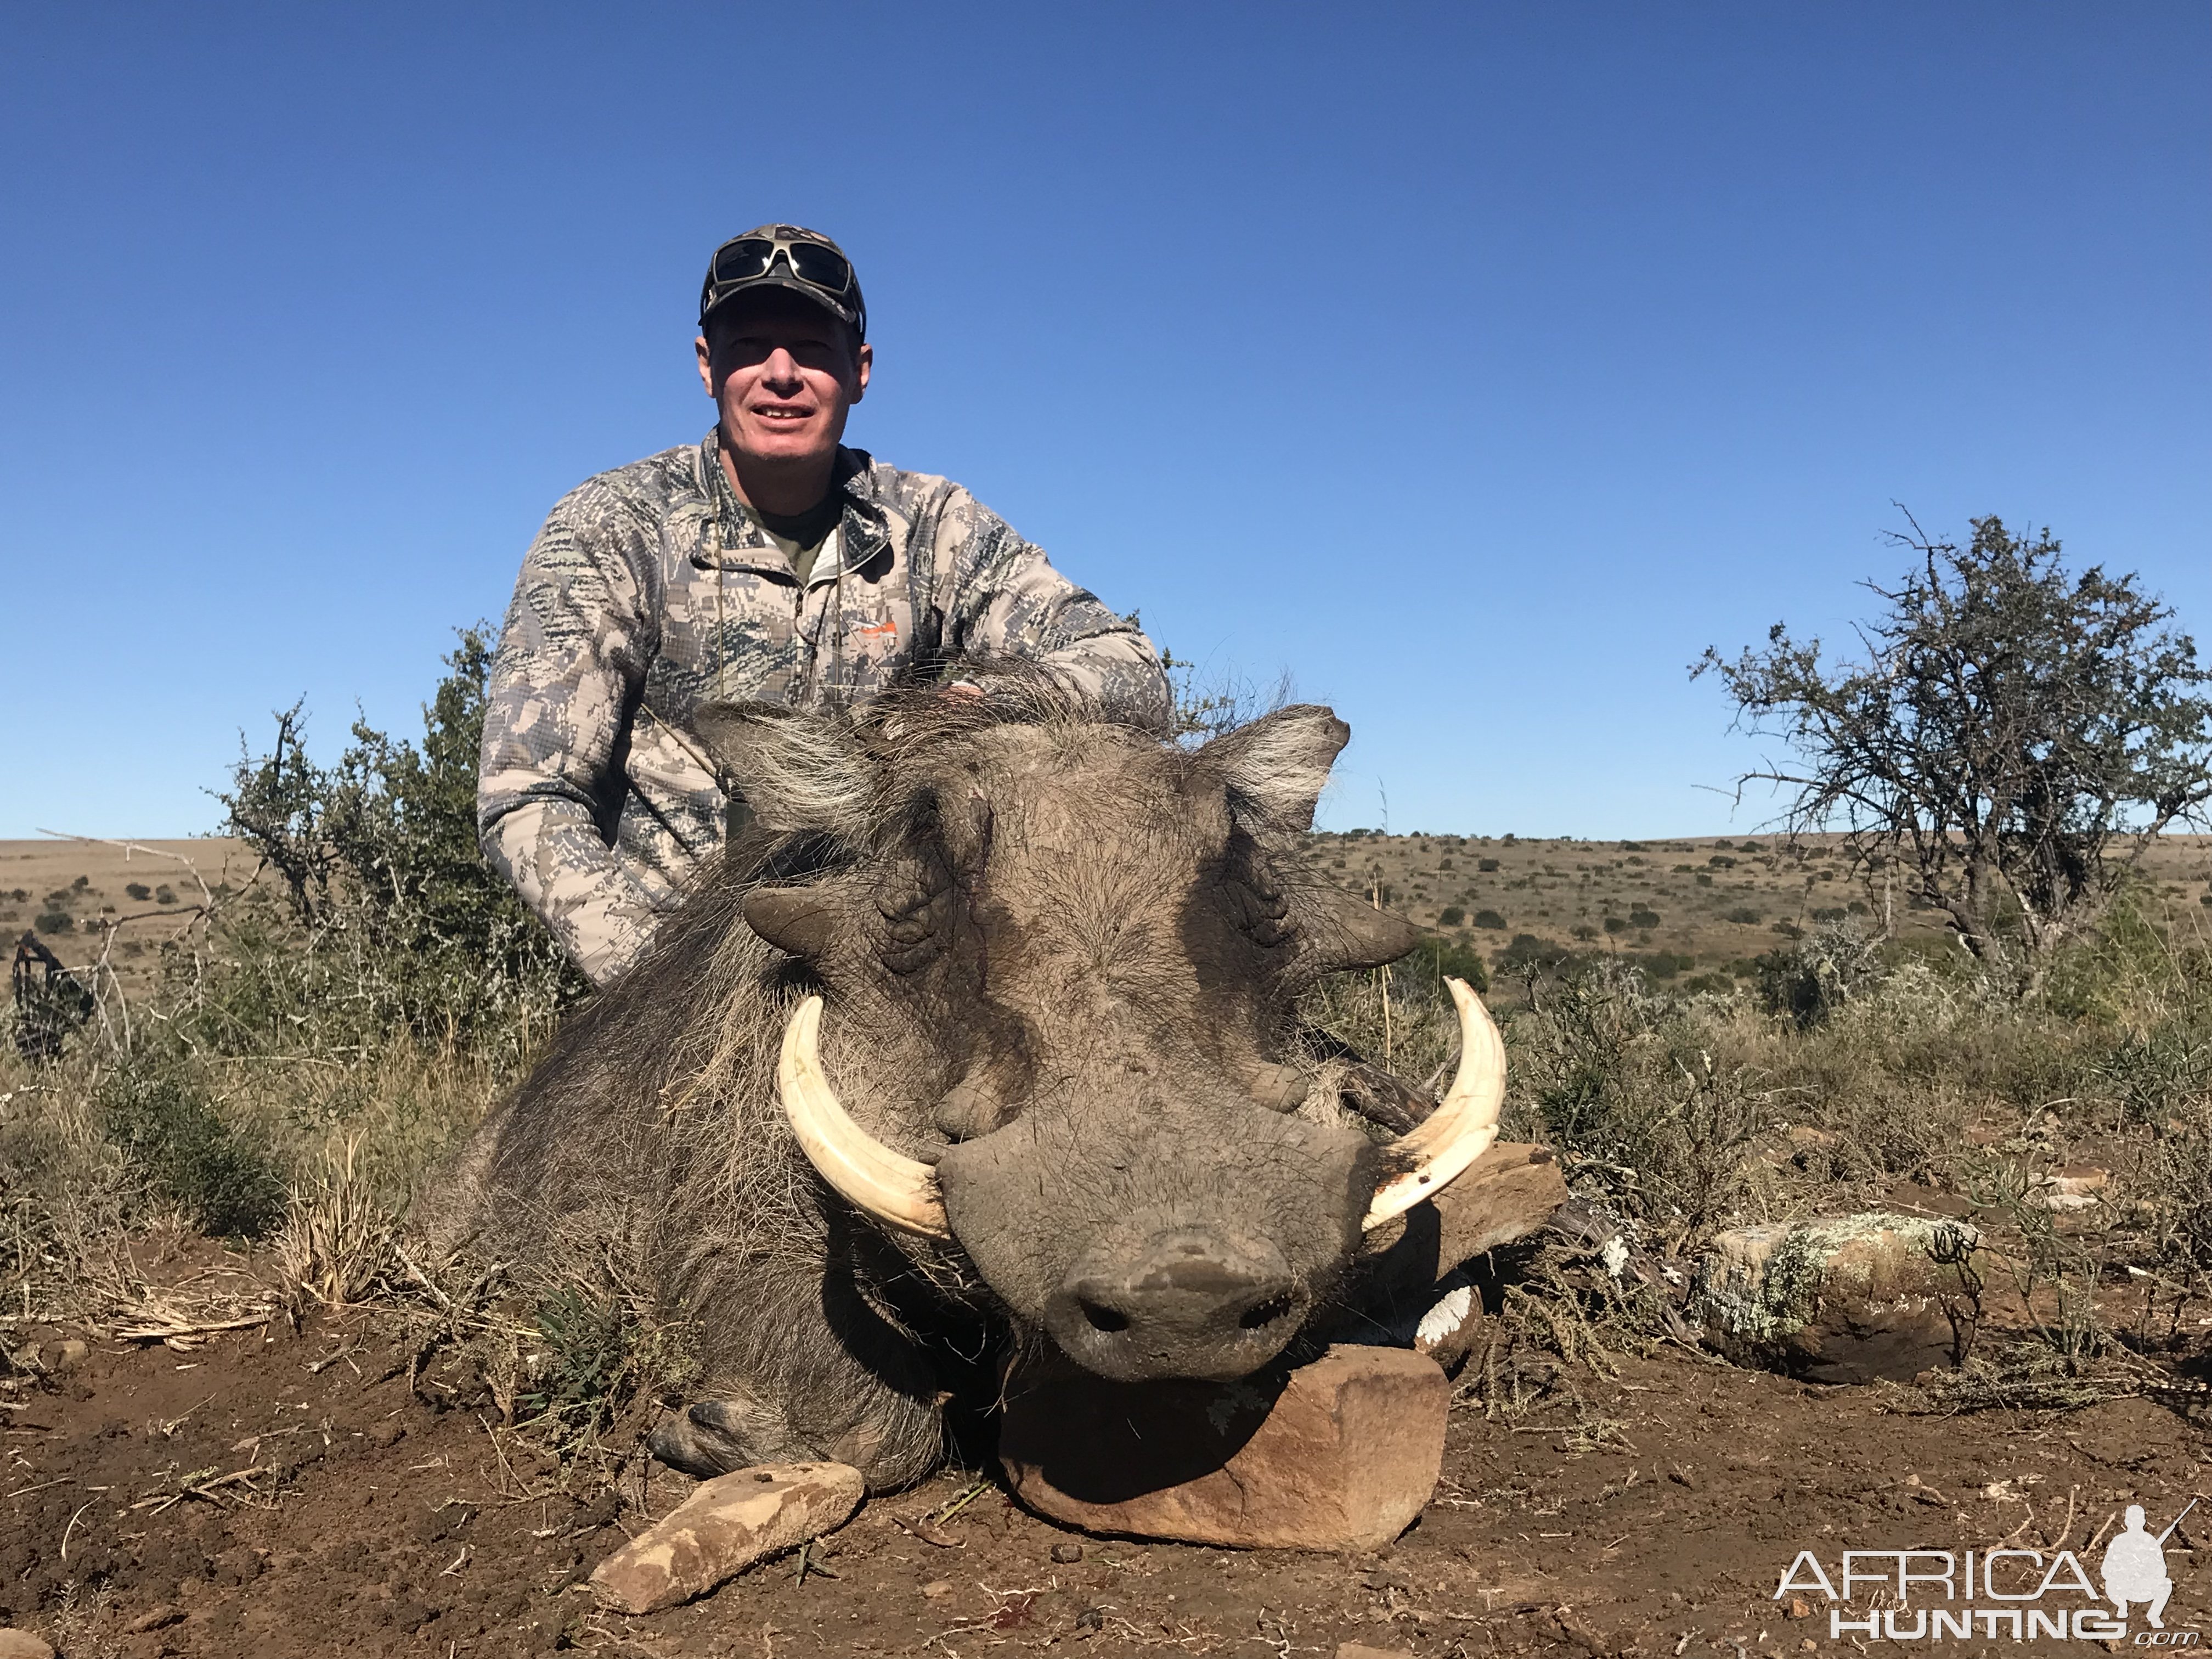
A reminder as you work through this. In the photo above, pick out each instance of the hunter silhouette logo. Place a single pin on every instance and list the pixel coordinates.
(2134, 1566)
(2023, 1595)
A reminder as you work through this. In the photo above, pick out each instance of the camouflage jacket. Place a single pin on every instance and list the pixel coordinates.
(651, 590)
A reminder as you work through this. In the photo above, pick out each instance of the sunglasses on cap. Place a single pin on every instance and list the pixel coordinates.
(787, 257)
(751, 257)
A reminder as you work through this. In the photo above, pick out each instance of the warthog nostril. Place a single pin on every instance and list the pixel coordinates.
(1261, 1314)
(1104, 1318)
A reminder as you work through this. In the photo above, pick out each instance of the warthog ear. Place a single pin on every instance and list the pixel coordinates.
(796, 771)
(1277, 767)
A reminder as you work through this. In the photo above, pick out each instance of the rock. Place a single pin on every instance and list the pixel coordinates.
(1067, 1554)
(1361, 1651)
(1507, 1193)
(1414, 1295)
(1339, 1455)
(1844, 1300)
(937, 1587)
(2078, 1186)
(22, 1644)
(727, 1524)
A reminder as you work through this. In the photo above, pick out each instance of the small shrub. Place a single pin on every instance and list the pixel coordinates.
(138, 890)
(1434, 958)
(1810, 982)
(1746, 915)
(1452, 917)
(56, 921)
(165, 894)
(1527, 952)
(1615, 925)
(1489, 921)
(1642, 917)
(1703, 880)
(185, 1152)
(1486, 865)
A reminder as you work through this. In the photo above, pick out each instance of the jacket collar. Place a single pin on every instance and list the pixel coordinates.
(736, 540)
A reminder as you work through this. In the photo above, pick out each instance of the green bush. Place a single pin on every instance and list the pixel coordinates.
(1643, 917)
(1486, 865)
(1452, 917)
(1433, 958)
(185, 1152)
(1615, 925)
(138, 890)
(1746, 915)
(1489, 921)
(382, 877)
(1528, 952)
(56, 921)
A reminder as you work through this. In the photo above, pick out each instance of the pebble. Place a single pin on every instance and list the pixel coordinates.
(937, 1587)
(1067, 1554)
(22, 1644)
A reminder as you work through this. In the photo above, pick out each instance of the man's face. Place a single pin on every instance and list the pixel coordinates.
(784, 372)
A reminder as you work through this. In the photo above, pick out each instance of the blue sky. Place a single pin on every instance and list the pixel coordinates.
(1475, 364)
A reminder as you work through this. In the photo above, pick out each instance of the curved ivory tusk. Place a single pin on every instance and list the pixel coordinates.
(888, 1186)
(1463, 1125)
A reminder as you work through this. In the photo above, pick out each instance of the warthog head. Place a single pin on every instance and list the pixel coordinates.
(1052, 963)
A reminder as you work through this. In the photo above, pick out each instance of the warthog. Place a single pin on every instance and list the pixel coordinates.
(983, 1034)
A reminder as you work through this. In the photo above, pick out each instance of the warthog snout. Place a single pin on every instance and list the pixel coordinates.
(1188, 1302)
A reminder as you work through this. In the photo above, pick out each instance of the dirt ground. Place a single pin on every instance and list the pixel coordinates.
(275, 1492)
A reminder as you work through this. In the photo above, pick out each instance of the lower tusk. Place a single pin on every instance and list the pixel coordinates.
(888, 1185)
(1462, 1126)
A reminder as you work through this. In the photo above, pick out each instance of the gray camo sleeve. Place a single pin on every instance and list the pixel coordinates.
(1009, 599)
(571, 658)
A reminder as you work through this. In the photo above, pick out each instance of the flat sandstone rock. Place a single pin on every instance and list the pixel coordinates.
(727, 1524)
(1340, 1454)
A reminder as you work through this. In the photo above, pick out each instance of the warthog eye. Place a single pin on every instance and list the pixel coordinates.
(917, 908)
(1262, 908)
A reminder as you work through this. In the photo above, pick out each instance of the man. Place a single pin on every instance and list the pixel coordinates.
(768, 562)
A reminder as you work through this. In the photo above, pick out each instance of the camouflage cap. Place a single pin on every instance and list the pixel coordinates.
(791, 257)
